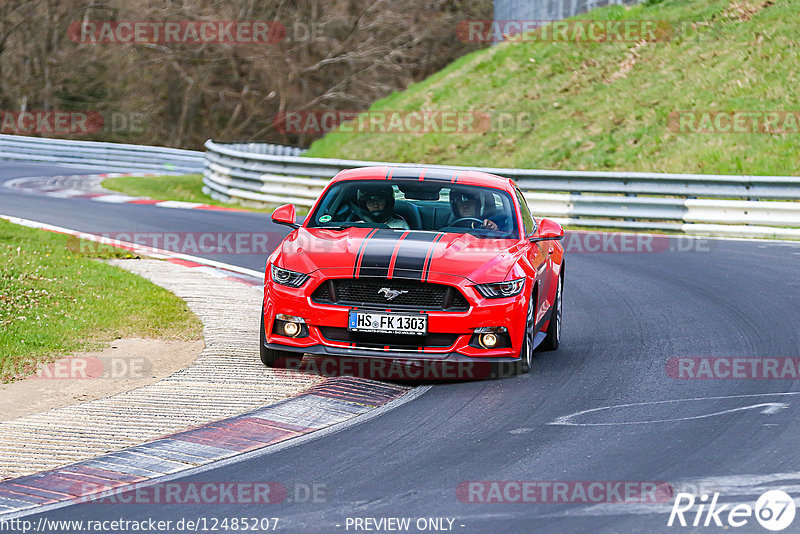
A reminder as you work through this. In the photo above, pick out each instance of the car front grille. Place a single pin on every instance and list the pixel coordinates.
(393, 341)
(418, 296)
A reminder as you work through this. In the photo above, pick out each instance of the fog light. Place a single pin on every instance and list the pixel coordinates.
(290, 326)
(291, 329)
(488, 340)
(490, 337)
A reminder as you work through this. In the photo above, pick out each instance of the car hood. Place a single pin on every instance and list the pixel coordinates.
(398, 254)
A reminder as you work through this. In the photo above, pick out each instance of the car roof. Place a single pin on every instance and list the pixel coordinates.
(463, 177)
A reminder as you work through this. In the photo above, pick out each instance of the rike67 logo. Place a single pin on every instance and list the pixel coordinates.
(774, 510)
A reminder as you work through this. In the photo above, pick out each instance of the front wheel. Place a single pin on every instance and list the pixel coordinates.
(526, 354)
(553, 338)
(274, 357)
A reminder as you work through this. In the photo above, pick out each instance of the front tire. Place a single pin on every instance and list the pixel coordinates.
(553, 338)
(276, 358)
(526, 353)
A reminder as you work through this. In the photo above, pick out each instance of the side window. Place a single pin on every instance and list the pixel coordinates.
(527, 218)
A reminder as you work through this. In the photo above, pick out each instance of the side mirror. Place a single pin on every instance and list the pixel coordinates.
(549, 231)
(285, 215)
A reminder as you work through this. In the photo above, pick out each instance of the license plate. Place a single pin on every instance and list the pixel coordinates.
(388, 323)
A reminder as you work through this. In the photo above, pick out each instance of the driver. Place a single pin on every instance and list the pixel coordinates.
(376, 203)
(467, 204)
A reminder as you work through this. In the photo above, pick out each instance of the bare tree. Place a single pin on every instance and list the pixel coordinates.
(336, 54)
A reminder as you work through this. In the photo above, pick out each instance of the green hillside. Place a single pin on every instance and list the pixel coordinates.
(607, 105)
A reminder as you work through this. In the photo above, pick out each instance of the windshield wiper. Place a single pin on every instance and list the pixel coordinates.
(343, 226)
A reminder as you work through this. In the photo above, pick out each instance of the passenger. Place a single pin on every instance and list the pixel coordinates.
(467, 205)
(376, 203)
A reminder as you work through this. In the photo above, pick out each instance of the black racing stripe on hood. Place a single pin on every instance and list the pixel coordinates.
(361, 252)
(411, 255)
(378, 253)
(429, 257)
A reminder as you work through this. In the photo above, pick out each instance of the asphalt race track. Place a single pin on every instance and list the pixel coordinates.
(626, 315)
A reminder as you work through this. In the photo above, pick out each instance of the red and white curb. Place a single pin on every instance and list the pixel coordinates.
(88, 186)
(334, 401)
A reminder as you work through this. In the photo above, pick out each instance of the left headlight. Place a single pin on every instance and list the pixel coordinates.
(285, 277)
(501, 289)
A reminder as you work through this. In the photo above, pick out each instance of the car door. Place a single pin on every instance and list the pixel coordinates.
(538, 255)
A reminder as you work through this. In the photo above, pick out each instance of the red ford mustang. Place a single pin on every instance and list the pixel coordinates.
(414, 265)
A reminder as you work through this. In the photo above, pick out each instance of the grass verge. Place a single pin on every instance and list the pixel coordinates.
(608, 105)
(55, 300)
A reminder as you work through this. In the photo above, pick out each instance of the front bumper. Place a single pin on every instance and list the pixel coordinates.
(329, 361)
(338, 351)
(456, 327)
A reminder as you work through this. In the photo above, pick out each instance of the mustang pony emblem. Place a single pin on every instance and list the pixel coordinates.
(391, 294)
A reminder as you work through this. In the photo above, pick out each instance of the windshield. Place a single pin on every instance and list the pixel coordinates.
(414, 205)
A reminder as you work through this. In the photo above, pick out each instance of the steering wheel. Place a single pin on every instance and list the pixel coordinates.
(354, 212)
(472, 220)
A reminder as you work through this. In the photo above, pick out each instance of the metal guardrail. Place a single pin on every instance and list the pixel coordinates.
(735, 206)
(115, 157)
(266, 148)
(258, 173)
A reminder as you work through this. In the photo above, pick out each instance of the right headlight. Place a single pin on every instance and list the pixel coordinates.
(500, 290)
(285, 277)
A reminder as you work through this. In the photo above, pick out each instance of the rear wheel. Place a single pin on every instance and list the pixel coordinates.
(277, 358)
(553, 338)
